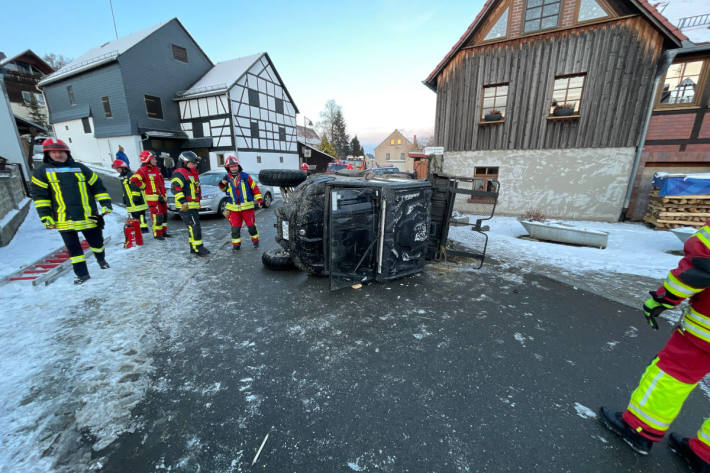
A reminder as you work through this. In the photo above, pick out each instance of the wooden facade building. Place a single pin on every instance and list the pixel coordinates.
(550, 97)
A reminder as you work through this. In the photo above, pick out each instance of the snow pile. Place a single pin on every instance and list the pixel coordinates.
(76, 360)
(632, 249)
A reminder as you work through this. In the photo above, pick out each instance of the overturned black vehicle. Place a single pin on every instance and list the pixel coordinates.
(354, 226)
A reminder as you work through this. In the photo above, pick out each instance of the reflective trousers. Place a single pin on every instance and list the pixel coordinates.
(665, 385)
(235, 220)
(194, 229)
(159, 215)
(140, 216)
(76, 254)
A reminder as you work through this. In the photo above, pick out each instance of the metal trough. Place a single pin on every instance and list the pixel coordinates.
(564, 233)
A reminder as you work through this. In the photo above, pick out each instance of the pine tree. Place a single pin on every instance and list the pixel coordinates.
(326, 146)
(356, 148)
(341, 140)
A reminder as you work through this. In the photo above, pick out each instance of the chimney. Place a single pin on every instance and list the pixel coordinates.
(415, 141)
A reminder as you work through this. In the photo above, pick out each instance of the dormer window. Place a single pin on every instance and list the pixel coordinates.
(590, 10)
(541, 15)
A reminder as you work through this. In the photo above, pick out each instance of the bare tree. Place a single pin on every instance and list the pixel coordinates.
(56, 61)
(328, 119)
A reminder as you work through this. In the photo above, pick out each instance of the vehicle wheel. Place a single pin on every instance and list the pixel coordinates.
(277, 259)
(268, 200)
(281, 177)
(220, 208)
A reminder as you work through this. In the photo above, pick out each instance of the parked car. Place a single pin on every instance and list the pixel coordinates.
(355, 227)
(213, 199)
(390, 170)
(335, 166)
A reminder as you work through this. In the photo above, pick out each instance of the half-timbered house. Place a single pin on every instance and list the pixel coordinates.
(549, 97)
(242, 106)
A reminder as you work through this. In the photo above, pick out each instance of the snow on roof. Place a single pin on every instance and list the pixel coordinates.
(107, 52)
(222, 76)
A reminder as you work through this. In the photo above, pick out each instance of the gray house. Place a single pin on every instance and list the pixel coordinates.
(122, 93)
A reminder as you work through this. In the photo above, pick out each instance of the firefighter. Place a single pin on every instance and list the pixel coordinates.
(149, 179)
(133, 197)
(241, 191)
(65, 194)
(678, 367)
(186, 188)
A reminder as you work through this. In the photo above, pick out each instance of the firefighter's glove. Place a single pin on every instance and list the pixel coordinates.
(184, 207)
(652, 309)
(106, 210)
(49, 223)
(260, 203)
(161, 199)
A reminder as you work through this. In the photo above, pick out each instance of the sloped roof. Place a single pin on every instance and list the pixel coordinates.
(8, 60)
(222, 76)
(649, 11)
(307, 133)
(107, 52)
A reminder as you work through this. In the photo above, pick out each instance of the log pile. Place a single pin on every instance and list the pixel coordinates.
(674, 211)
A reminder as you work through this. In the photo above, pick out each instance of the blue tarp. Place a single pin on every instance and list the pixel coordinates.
(688, 184)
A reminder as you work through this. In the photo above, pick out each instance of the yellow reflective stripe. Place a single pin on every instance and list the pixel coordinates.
(177, 181)
(152, 183)
(76, 225)
(77, 259)
(179, 196)
(192, 188)
(193, 205)
(704, 236)
(136, 193)
(236, 240)
(696, 324)
(84, 193)
(61, 209)
(255, 236)
(658, 398)
(257, 196)
(103, 196)
(704, 432)
(244, 190)
(39, 183)
(678, 287)
(151, 198)
(43, 203)
(97, 250)
(93, 179)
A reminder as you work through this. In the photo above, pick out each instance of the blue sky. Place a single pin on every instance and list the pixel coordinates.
(369, 56)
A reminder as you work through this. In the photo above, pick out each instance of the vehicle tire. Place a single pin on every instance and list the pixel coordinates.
(281, 177)
(277, 259)
(268, 199)
(220, 208)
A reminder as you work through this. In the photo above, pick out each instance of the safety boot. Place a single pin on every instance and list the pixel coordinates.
(167, 235)
(202, 251)
(614, 422)
(160, 237)
(103, 264)
(81, 279)
(236, 247)
(681, 446)
(256, 244)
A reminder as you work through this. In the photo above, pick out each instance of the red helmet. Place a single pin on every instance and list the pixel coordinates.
(53, 144)
(231, 161)
(118, 164)
(146, 156)
(304, 167)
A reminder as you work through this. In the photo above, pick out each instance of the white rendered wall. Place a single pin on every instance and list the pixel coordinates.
(87, 149)
(268, 161)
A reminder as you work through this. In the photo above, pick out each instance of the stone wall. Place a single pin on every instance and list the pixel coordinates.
(13, 203)
(584, 184)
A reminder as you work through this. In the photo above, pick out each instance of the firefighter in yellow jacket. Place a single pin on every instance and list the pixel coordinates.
(65, 194)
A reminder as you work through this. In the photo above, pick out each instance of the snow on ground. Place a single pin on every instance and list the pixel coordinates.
(76, 360)
(632, 248)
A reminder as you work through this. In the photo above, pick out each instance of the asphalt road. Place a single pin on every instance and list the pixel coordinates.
(449, 370)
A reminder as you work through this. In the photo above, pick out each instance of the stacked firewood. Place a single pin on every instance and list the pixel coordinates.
(675, 211)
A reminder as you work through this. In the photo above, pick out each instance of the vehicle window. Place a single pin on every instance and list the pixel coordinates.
(209, 179)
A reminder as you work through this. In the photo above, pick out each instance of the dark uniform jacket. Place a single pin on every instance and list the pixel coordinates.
(133, 198)
(186, 188)
(65, 194)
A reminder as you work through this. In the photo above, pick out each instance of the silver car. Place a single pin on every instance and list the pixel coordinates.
(214, 200)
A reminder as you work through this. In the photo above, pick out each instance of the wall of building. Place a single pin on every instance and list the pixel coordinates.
(10, 147)
(149, 68)
(398, 152)
(248, 160)
(584, 184)
(97, 151)
(88, 88)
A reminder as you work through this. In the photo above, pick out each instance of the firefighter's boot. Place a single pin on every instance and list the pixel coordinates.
(614, 422)
(681, 446)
